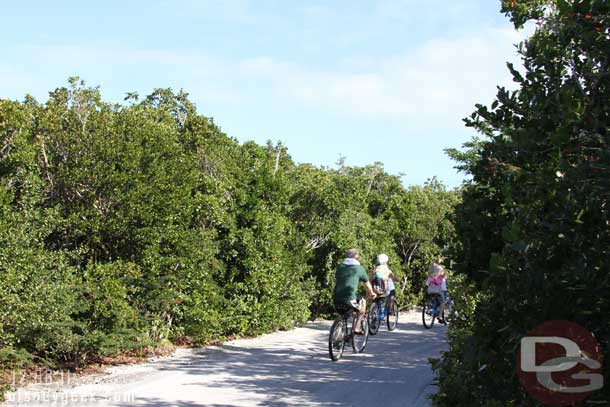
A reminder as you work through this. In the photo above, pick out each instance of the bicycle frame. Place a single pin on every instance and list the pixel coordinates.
(382, 312)
(348, 320)
(439, 305)
(437, 301)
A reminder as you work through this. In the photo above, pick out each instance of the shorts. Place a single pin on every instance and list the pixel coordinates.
(344, 306)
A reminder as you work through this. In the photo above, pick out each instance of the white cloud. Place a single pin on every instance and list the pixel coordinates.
(438, 82)
(441, 80)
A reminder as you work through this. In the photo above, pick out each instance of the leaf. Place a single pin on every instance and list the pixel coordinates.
(579, 217)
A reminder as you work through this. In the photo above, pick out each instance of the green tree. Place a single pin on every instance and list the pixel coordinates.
(129, 226)
(533, 224)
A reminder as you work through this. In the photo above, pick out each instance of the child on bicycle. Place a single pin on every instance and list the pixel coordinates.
(382, 272)
(437, 284)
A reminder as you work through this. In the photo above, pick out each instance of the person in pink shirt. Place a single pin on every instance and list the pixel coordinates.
(437, 283)
(436, 272)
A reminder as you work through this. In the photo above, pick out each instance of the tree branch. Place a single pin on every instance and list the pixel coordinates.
(7, 145)
(45, 160)
(277, 160)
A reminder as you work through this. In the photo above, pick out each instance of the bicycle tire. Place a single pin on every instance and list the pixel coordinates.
(448, 312)
(336, 339)
(445, 314)
(427, 311)
(373, 318)
(359, 341)
(392, 317)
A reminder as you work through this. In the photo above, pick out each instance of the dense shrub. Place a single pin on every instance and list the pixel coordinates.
(533, 223)
(127, 226)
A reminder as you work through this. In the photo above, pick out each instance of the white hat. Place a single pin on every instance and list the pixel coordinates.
(383, 259)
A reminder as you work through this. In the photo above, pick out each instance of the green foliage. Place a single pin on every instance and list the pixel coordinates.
(106, 291)
(36, 285)
(128, 226)
(371, 210)
(533, 224)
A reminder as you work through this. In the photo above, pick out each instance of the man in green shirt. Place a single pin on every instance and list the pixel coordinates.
(348, 275)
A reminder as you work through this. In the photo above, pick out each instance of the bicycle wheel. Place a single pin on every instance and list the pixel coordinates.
(373, 318)
(359, 340)
(427, 312)
(336, 339)
(392, 317)
(446, 313)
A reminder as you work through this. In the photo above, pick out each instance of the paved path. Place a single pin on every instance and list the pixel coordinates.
(289, 368)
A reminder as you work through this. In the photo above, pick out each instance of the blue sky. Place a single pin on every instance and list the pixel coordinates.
(385, 81)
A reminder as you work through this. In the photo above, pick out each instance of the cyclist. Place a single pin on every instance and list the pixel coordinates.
(437, 284)
(348, 275)
(383, 271)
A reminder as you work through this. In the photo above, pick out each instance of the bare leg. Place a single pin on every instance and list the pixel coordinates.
(441, 313)
(361, 312)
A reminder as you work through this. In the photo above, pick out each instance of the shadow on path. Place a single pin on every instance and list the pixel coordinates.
(298, 371)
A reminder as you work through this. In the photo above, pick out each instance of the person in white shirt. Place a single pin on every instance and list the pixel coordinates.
(383, 271)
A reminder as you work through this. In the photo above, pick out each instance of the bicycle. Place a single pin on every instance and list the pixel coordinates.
(342, 332)
(430, 309)
(378, 313)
